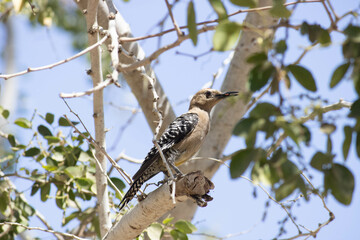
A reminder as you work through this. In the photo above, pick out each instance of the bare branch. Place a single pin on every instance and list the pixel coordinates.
(176, 26)
(158, 52)
(132, 39)
(50, 66)
(42, 229)
(98, 87)
(103, 208)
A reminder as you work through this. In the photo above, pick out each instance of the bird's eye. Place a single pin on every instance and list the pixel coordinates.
(208, 94)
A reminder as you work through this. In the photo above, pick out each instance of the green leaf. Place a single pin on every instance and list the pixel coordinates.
(243, 126)
(258, 57)
(358, 144)
(324, 37)
(44, 131)
(178, 235)
(185, 226)
(339, 74)
(245, 3)
(341, 183)
(50, 168)
(279, 10)
(5, 113)
(118, 183)
(280, 46)
(49, 117)
(75, 171)
(23, 122)
(191, 22)
(84, 183)
(52, 139)
(226, 35)
(11, 140)
(155, 231)
(265, 110)
(72, 216)
(260, 75)
(4, 201)
(355, 109)
(303, 76)
(64, 123)
(242, 159)
(321, 161)
(285, 189)
(167, 220)
(45, 191)
(347, 141)
(219, 8)
(35, 187)
(32, 152)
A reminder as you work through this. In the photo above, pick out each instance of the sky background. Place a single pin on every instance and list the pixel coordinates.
(234, 209)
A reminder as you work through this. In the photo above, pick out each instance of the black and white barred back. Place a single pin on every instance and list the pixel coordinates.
(152, 165)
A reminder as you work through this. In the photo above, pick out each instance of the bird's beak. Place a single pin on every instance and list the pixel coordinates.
(226, 94)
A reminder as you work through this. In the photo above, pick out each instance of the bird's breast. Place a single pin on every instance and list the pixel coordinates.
(193, 143)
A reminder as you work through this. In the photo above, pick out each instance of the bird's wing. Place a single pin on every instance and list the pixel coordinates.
(174, 133)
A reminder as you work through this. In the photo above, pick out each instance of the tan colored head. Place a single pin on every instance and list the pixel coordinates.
(207, 98)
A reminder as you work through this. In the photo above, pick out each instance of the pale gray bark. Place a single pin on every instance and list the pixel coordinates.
(156, 204)
(136, 79)
(98, 106)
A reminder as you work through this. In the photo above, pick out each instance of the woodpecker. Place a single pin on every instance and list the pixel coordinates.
(180, 140)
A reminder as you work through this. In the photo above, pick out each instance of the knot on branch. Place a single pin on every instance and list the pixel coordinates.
(196, 186)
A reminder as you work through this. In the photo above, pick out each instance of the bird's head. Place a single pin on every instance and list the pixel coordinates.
(207, 98)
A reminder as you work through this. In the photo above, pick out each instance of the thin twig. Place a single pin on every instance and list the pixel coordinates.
(157, 131)
(336, 106)
(333, 24)
(176, 26)
(90, 91)
(50, 66)
(92, 141)
(157, 53)
(132, 39)
(255, 99)
(41, 229)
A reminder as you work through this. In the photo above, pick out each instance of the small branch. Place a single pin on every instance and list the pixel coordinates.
(90, 91)
(156, 133)
(204, 23)
(158, 52)
(176, 27)
(254, 100)
(42, 229)
(333, 107)
(332, 10)
(42, 219)
(114, 47)
(333, 24)
(92, 141)
(50, 66)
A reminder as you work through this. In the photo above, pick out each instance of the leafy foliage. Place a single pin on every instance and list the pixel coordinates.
(65, 166)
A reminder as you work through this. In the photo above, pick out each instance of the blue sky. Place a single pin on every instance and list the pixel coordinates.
(233, 209)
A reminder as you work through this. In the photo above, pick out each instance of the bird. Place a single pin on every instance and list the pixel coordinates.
(179, 141)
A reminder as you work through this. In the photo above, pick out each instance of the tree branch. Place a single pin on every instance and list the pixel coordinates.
(50, 66)
(42, 229)
(156, 204)
(98, 106)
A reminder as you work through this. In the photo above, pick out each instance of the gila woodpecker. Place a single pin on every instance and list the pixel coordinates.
(180, 141)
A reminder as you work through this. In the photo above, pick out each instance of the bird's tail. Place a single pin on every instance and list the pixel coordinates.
(134, 188)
